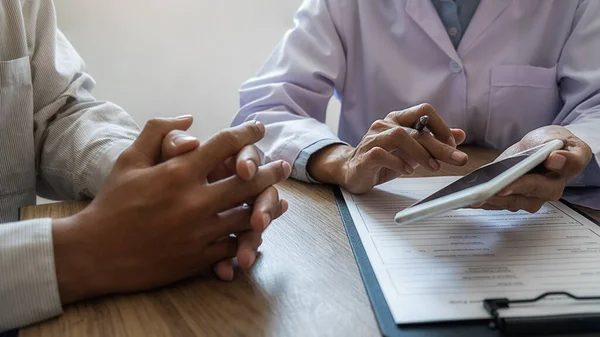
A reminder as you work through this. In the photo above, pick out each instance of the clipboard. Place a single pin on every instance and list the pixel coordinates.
(383, 315)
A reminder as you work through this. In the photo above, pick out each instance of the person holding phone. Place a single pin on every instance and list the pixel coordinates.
(504, 74)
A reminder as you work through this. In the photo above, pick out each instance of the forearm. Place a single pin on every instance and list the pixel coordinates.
(73, 260)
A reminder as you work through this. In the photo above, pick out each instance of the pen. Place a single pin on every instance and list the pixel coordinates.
(421, 123)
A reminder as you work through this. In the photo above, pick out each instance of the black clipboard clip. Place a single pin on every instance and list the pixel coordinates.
(554, 324)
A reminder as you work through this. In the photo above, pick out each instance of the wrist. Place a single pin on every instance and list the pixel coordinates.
(73, 262)
(327, 165)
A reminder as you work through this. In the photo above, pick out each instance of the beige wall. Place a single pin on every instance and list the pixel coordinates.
(172, 57)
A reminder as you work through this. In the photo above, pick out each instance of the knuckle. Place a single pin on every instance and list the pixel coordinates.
(269, 199)
(393, 115)
(379, 125)
(445, 150)
(176, 171)
(370, 138)
(400, 132)
(271, 174)
(278, 172)
(428, 108)
(420, 137)
(230, 138)
(253, 130)
(415, 134)
(275, 194)
(255, 187)
(188, 207)
(376, 153)
(153, 124)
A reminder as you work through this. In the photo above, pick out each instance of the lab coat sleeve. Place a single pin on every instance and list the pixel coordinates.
(578, 73)
(291, 92)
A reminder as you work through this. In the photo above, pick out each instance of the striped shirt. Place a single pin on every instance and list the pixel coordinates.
(55, 139)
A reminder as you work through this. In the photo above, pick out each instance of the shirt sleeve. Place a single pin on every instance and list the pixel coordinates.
(299, 171)
(29, 291)
(77, 139)
(291, 93)
(578, 72)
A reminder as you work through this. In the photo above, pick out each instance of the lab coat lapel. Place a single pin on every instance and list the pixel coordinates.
(425, 16)
(487, 12)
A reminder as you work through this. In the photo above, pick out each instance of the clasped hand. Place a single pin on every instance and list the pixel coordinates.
(170, 209)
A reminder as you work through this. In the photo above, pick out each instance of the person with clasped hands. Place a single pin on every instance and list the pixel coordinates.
(166, 207)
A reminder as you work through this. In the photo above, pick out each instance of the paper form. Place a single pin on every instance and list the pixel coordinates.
(441, 268)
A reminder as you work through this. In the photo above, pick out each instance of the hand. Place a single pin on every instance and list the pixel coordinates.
(266, 206)
(531, 191)
(154, 223)
(390, 148)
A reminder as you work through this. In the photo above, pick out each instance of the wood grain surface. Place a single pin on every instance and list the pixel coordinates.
(305, 283)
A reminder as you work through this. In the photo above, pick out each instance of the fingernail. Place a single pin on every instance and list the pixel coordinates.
(261, 126)
(179, 140)
(451, 141)
(287, 169)
(251, 167)
(266, 221)
(459, 157)
(434, 164)
(184, 117)
(409, 169)
(478, 205)
(557, 162)
(255, 122)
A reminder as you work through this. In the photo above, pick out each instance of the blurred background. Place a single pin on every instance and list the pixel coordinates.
(167, 58)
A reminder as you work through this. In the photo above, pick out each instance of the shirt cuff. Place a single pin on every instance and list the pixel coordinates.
(28, 286)
(299, 171)
(102, 164)
(583, 196)
(589, 177)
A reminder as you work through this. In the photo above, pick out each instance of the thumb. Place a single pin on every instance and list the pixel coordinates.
(149, 142)
(459, 135)
(176, 143)
(568, 163)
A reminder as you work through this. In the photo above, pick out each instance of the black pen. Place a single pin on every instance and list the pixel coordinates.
(421, 123)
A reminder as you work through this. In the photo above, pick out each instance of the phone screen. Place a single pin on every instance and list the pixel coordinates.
(482, 175)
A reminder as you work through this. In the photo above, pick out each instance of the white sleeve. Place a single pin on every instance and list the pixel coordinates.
(291, 93)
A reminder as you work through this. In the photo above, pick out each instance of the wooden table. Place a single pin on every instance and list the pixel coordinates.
(306, 283)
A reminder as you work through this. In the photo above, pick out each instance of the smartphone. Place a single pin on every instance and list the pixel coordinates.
(479, 185)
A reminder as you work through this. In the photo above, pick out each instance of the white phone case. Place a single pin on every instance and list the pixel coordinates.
(479, 193)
